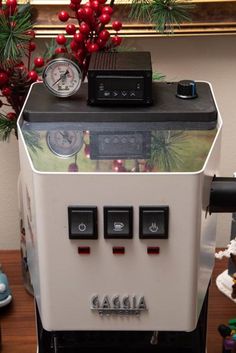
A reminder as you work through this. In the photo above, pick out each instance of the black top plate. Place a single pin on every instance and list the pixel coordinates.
(167, 111)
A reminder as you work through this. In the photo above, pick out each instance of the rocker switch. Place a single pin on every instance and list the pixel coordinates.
(82, 222)
(153, 222)
(118, 222)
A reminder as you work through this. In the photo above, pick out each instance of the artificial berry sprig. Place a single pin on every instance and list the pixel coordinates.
(118, 166)
(16, 70)
(90, 34)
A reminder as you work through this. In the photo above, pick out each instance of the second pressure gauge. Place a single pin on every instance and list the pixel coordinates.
(64, 143)
(62, 77)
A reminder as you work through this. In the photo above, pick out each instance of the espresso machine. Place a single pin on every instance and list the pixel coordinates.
(119, 207)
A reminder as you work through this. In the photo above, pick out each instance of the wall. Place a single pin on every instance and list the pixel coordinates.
(209, 58)
(9, 170)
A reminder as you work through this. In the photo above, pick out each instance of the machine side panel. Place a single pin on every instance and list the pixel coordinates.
(30, 219)
(208, 224)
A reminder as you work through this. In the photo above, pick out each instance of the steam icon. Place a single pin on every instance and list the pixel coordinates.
(153, 227)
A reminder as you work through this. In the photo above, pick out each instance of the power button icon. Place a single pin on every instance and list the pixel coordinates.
(82, 227)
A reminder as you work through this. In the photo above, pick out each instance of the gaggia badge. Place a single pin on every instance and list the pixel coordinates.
(118, 305)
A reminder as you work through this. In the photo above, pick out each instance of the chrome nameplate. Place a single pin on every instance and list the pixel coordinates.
(118, 305)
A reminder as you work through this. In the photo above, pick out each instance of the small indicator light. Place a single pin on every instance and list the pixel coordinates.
(153, 250)
(84, 250)
(118, 250)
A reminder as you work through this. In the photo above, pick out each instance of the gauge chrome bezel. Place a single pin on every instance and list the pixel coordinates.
(64, 61)
(76, 148)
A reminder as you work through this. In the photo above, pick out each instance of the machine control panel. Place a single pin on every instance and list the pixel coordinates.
(118, 222)
(108, 89)
(120, 78)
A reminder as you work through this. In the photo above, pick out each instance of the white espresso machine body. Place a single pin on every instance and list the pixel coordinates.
(118, 237)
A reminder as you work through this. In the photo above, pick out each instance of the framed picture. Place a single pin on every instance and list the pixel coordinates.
(208, 17)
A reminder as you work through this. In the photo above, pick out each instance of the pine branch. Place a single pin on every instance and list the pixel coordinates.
(167, 14)
(32, 139)
(6, 127)
(14, 39)
(50, 50)
(157, 76)
(167, 149)
(164, 14)
(140, 10)
(48, 54)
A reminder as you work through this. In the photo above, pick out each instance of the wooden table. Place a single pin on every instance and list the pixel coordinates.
(18, 323)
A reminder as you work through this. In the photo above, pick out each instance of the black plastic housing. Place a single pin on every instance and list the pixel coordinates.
(223, 195)
(120, 78)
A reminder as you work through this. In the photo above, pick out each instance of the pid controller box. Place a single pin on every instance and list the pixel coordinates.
(120, 78)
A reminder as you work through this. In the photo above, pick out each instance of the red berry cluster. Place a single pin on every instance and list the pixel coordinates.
(118, 166)
(11, 7)
(8, 87)
(73, 167)
(91, 34)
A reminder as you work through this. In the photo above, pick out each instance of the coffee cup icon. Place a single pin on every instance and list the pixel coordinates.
(118, 226)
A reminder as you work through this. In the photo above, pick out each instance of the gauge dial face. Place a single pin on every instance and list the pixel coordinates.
(64, 143)
(62, 77)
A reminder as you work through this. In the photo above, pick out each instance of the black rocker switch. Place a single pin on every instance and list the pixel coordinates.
(118, 222)
(82, 222)
(153, 222)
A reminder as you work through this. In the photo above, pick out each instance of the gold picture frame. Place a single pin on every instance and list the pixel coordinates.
(208, 17)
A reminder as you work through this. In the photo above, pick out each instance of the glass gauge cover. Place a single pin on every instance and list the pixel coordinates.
(64, 143)
(62, 77)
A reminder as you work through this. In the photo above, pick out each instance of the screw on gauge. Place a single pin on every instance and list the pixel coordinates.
(64, 143)
(62, 77)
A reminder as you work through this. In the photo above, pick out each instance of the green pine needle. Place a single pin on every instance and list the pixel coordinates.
(164, 14)
(140, 10)
(168, 13)
(167, 149)
(14, 39)
(32, 139)
(157, 76)
(6, 127)
(50, 50)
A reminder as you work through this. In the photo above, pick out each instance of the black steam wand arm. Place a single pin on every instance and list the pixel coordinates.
(222, 195)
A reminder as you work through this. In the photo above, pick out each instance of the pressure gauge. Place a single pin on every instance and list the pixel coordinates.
(64, 143)
(62, 77)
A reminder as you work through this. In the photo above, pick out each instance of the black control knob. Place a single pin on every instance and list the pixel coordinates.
(186, 89)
